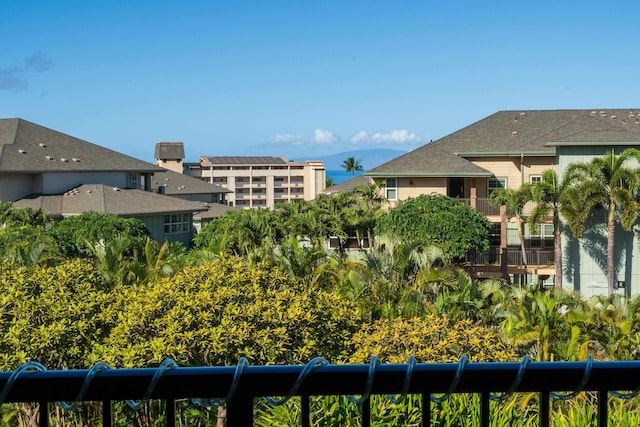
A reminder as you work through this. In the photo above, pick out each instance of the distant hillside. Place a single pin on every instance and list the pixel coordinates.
(369, 159)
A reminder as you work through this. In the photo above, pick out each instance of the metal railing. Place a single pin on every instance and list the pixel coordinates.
(240, 385)
(483, 205)
(535, 256)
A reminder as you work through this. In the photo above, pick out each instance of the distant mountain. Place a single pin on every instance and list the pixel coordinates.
(369, 159)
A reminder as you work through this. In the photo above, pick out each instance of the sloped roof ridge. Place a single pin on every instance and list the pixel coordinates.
(12, 139)
(93, 157)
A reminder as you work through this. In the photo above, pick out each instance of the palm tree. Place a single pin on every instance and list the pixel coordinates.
(328, 182)
(608, 182)
(548, 194)
(352, 165)
(514, 200)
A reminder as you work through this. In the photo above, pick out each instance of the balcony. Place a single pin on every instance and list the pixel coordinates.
(489, 264)
(484, 206)
(238, 386)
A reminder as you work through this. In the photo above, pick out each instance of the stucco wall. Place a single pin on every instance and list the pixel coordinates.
(14, 187)
(517, 170)
(585, 259)
(413, 187)
(59, 182)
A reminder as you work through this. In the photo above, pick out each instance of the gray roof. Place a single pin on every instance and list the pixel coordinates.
(243, 160)
(215, 210)
(26, 147)
(429, 160)
(112, 200)
(176, 183)
(506, 133)
(169, 151)
(348, 185)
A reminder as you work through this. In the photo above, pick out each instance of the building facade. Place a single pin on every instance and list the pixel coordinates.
(41, 168)
(508, 149)
(261, 181)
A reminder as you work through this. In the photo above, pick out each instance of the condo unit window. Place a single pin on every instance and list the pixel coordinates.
(177, 223)
(133, 180)
(391, 189)
(540, 236)
(496, 184)
(535, 178)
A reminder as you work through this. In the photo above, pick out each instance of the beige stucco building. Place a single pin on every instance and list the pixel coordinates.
(251, 181)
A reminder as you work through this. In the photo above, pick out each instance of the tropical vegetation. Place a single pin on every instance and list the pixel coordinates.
(264, 284)
(351, 164)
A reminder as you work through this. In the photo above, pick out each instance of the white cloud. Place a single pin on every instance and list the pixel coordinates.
(288, 139)
(321, 136)
(395, 137)
(359, 137)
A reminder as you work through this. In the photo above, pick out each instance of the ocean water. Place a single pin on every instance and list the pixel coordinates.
(340, 175)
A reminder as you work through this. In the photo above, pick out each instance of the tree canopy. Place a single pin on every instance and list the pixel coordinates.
(73, 233)
(437, 220)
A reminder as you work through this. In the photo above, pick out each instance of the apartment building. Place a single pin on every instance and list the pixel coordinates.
(261, 181)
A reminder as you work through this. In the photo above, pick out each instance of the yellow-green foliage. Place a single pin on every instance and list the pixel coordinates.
(216, 313)
(432, 339)
(50, 314)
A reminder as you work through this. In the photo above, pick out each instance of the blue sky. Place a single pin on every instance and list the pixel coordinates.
(305, 79)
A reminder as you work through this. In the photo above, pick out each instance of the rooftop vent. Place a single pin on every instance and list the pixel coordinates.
(116, 189)
(43, 145)
(515, 132)
(20, 150)
(49, 158)
(63, 159)
(75, 159)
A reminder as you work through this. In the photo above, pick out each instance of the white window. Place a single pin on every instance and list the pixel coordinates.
(177, 223)
(133, 180)
(496, 184)
(391, 189)
(535, 178)
(541, 236)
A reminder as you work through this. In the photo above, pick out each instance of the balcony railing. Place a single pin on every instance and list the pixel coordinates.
(484, 206)
(535, 256)
(239, 386)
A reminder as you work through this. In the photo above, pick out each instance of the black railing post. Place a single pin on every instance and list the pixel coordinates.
(240, 412)
(171, 412)
(305, 412)
(366, 413)
(426, 409)
(603, 408)
(43, 410)
(544, 408)
(107, 413)
(484, 408)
